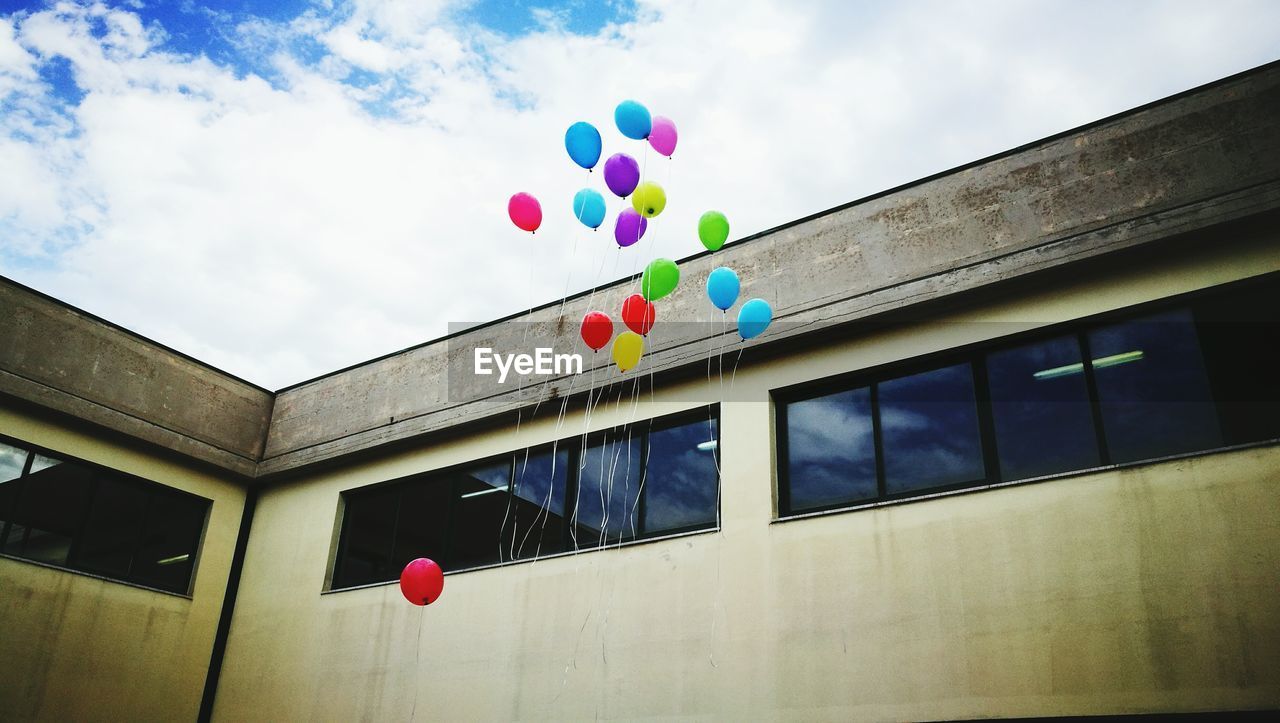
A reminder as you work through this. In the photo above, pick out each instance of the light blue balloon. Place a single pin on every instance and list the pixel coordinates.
(723, 287)
(754, 318)
(588, 207)
(633, 120)
(582, 141)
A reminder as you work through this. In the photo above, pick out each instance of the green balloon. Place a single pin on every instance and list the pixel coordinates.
(659, 279)
(713, 230)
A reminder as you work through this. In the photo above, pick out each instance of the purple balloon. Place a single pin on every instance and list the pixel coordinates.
(621, 174)
(629, 227)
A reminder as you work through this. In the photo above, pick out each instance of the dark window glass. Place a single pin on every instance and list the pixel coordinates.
(12, 460)
(1152, 388)
(1041, 410)
(681, 478)
(96, 520)
(537, 509)
(1240, 336)
(481, 499)
(169, 540)
(609, 490)
(114, 528)
(929, 428)
(50, 511)
(368, 535)
(831, 455)
(422, 528)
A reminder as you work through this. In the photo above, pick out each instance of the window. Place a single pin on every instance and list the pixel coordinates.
(1152, 389)
(1040, 407)
(1180, 376)
(640, 480)
(88, 518)
(830, 449)
(929, 428)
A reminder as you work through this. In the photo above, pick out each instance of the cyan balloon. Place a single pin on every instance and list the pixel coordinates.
(633, 120)
(588, 207)
(754, 318)
(582, 141)
(723, 287)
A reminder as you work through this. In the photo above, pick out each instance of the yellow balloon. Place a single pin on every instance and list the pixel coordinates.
(627, 349)
(649, 199)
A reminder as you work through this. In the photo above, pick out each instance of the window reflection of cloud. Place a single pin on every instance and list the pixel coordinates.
(825, 430)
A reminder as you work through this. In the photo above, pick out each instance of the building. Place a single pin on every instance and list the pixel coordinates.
(1008, 450)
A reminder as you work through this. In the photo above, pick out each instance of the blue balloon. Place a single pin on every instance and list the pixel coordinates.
(723, 287)
(633, 120)
(582, 141)
(754, 318)
(588, 207)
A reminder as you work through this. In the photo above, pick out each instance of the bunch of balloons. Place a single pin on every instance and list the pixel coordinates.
(623, 178)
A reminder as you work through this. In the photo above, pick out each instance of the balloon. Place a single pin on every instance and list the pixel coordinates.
(713, 229)
(588, 206)
(422, 581)
(627, 349)
(659, 279)
(597, 329)
(723, 287)
(662, 136)
(629, 227)
(633, 120)
(754, 318)
(621, 174)
(649, 199)
(525, 212)
(638, 314)
(582, 141)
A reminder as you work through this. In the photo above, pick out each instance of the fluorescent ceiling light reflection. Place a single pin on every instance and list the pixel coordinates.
(1100, 363)
(173, 560)
(706, 446)
(489, 491)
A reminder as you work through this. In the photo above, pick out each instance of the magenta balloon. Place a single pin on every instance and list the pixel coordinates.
(663, 136)
(629, 227)
(621, 174)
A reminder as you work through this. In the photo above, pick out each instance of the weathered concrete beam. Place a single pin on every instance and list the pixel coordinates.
(1189, 163)
(60, 358)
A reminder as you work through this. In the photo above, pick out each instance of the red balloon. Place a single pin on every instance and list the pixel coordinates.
(597, 329)
(525, 212)
(638, 314)
(422, 581)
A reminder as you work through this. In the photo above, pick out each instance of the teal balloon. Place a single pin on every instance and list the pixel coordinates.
(723, 287)
(754, 318)
(633, 120)
(582, 141)
(588, 207)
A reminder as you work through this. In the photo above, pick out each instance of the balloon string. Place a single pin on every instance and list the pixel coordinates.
(417, 654)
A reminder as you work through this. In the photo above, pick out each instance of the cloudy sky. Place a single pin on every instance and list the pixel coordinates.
(283, 187)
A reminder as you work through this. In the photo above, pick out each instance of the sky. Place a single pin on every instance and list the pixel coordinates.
(282, 188)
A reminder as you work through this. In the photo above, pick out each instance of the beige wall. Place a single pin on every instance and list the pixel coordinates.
(75, 647)
(1145, 589)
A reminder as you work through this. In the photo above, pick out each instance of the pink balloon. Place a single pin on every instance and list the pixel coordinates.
(663, 135)
(525, 212)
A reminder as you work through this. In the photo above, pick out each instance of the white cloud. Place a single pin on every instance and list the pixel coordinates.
(283, 231)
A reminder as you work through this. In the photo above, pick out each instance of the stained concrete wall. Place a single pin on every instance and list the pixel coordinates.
(1145, 589)
(1187, 164)
(63, 359)
(75, 647)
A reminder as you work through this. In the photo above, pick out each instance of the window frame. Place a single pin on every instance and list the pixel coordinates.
(574, 446)
(975, 353)
(150, 488)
